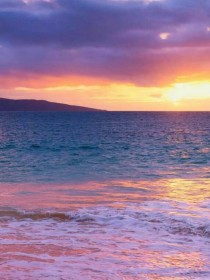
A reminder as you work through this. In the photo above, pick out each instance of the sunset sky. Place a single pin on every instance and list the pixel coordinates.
(108, 54)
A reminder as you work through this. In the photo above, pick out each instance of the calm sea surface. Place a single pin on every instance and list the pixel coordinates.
(104, 196)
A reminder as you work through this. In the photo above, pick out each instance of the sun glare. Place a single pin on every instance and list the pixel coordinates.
(188, 91)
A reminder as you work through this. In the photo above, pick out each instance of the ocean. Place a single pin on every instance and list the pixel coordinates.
(105, 195)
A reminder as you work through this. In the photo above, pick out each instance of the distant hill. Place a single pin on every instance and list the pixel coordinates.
(39, 106)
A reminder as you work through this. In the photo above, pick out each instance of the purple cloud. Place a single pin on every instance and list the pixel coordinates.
(118, 40)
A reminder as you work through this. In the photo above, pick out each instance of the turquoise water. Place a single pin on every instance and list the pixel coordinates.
(104, 196)
(65, 147)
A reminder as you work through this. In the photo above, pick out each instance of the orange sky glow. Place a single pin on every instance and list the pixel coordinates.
(141, 55)
(111, 95)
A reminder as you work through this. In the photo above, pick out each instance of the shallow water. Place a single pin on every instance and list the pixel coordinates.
(110, 230)
(133, 202)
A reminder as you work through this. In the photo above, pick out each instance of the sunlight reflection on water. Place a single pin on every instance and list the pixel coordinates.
(157, 229)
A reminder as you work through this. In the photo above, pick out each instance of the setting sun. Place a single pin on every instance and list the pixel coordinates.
(118, 56)
(189, 91)
(105, 139)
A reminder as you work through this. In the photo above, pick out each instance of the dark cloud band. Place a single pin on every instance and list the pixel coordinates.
(115, 39)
